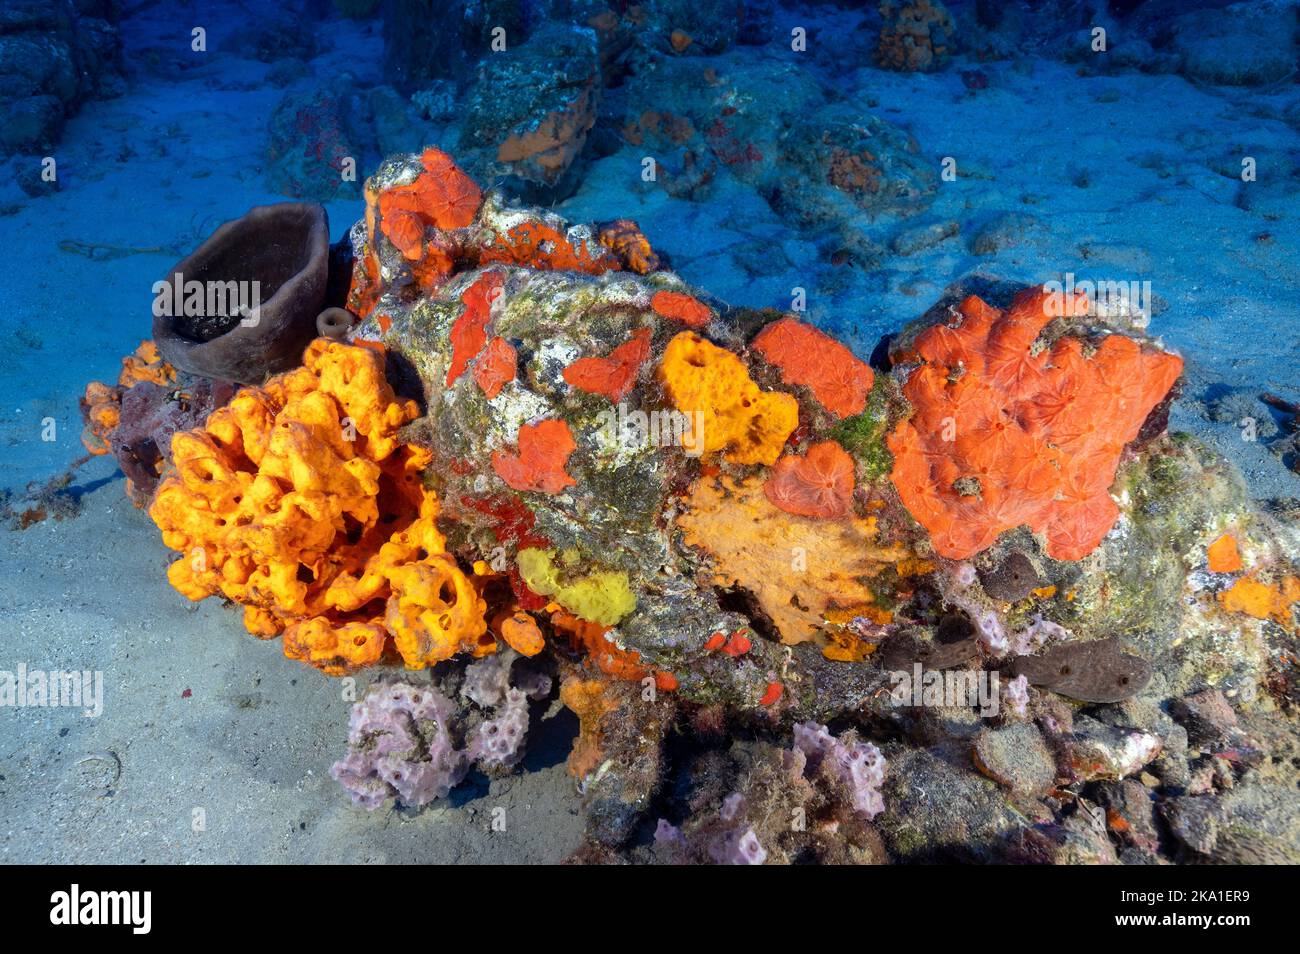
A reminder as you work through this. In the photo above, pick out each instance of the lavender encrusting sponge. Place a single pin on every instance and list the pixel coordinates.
(858, 767)
(401, 740)
(498, 741)
(400, 743)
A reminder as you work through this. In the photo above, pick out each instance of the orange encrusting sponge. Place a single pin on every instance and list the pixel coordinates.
(1005, 434)
(441, 196)
(102, 405)
(838, 380)
(712, 385)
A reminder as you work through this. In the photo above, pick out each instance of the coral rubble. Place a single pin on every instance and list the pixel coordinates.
(533, 106)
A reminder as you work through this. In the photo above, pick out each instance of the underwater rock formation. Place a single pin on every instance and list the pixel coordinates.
(603, 405)
(531, 109)
(752, 115)
(243, 305)
(432, 39)
(833, 164)
(710, 523)
(310, 137)
(1252, 45)
(53, 57)
(917, 35)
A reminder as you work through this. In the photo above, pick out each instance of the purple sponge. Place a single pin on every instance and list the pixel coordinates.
(399, 743)
(400, 740)
(859, 766)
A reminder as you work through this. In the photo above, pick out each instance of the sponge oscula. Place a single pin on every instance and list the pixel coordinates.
(713, 386)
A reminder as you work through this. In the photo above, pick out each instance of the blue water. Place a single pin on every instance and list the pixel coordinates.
(1117, 165)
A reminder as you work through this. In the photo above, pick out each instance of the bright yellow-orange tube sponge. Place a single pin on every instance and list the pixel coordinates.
(713, 388)
(299, 501)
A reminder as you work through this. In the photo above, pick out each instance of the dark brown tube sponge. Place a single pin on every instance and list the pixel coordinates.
(203, 319)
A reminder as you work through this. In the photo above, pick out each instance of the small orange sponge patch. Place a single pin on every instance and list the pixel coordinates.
(819, 484)
(712, 385)
(469, 331)
(1263, 600)
(838, 380)
(612, 376)
(495, 367)
(1223, 555)
(1004, 434)
(102, 405)
(544, 449)
(681, 307)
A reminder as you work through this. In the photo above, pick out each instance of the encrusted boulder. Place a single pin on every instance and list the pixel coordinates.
(316, 142)
(717, 523)
(53, 57)
(531, 108)
(1252, 45)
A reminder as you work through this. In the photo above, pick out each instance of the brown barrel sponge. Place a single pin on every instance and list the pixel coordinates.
(198, 323)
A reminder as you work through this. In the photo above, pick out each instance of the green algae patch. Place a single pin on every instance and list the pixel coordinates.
(863, 435)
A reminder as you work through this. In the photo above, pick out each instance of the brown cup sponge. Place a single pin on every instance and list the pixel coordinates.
(282, 247)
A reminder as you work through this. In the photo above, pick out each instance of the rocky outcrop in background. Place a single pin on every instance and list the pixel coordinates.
(54, 55)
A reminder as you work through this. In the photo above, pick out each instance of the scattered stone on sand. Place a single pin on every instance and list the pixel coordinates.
(1016, 756)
